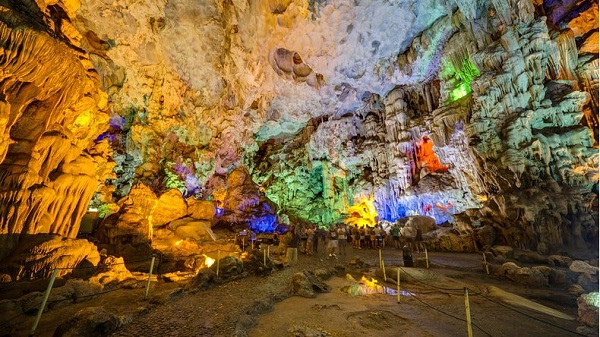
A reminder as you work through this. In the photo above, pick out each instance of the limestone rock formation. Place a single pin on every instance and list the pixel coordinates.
(588, 313)
(170, 206)
(38, 255)
(89, 321)
(482, 115)
(52, 111)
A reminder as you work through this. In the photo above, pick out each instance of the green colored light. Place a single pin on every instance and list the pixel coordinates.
(460, 73)
(459, 92)
(592, 299)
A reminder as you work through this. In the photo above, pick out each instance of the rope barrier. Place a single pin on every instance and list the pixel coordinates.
(98, 293)
(477, 293)
(445, 313)
(103, 265)
(524, 314)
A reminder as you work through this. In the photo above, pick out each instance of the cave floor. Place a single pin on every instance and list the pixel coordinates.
(429, 311)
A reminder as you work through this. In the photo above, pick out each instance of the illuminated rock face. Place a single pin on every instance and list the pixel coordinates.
(51, 111)
(304, 108)
(505, 120)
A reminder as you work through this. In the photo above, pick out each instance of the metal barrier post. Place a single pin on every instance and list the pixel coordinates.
(398, 284)
(380, 260)
(149, 277)
(265, 257)
(383, 268)
(44, 301)
(487, 269)
(468, 313)
(218, 261)
(426, 259)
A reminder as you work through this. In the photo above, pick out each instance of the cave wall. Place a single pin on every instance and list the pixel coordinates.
(484, 108)
(52, 110)
(509, 101)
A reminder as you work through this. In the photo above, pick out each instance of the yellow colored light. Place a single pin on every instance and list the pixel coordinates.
(178, 242)
(208, 261)
(362, 213)
(482, 197)
(83, 120)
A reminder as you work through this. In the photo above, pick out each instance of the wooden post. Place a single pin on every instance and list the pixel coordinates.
(468, 313)
(426, 259)
(265, 257)
(398, 284)
(218, 261)
(383, 268)
(44, 301)
(269, 251)
(149, 277)
(487, 269)
(380, 260)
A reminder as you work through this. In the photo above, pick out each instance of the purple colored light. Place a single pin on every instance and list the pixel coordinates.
(116, 121)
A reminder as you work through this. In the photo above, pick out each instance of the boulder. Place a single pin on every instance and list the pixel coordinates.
(111, 271)
(558, 278)
(307, 284)
(447, 240)
(171, 206)
(74, 290)
(202, 280)
(575, 289)
(201, 209)
(229, 268)
(38, 255)
(559, 261)
(254, 263)
(589, 282)
(587, 309)
(583, 267)
(526, 276)
(27, 303)
(506, 251)
(357, 263)
(325, 273)
(194, 230)
(531, 277)
(91, 321)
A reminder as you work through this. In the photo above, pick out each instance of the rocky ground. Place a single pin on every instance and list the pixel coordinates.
(431, 304)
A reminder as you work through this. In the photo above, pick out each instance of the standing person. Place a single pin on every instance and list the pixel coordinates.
(377, 232)
(291, 253)
(361, 241)
(303, 238)
(372, 237)
(419, 246)
(310, 236)
(332, 243)
(342, 239)
(355, 237)
(396, 235)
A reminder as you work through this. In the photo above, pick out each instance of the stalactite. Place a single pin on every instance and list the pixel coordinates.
(46, 82)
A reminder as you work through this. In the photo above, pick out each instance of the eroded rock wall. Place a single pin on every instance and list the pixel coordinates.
(52, 110)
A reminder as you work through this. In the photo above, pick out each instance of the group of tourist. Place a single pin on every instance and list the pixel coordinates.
(310, 239)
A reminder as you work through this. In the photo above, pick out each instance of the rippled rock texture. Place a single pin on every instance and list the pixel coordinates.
(52, 110)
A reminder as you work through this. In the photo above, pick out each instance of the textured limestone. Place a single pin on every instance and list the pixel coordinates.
(170, 206)
(38, 255)
(311, 111)
(52, 109)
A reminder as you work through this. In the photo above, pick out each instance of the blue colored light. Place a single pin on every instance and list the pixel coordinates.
(219, 211)
(266, 223)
